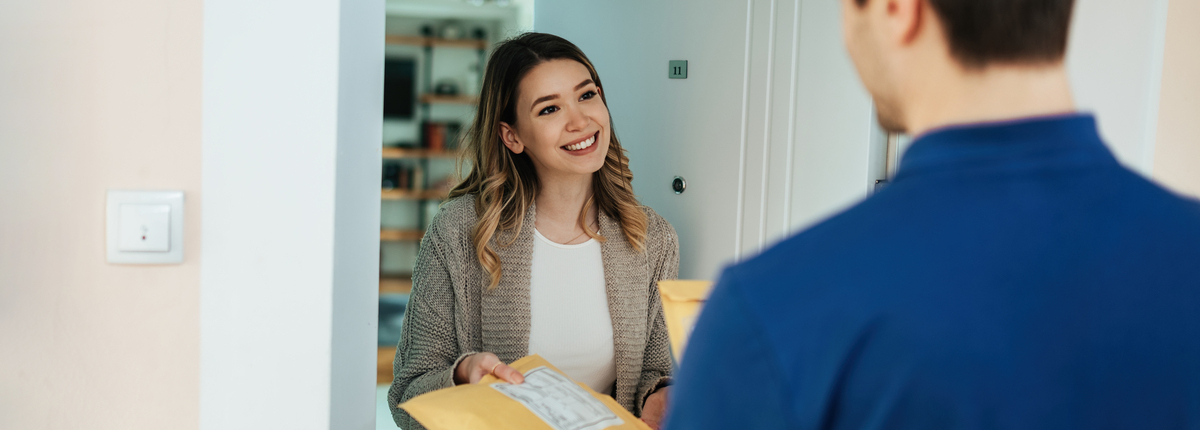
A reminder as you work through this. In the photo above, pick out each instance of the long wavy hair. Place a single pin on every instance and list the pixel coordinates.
(505, 184)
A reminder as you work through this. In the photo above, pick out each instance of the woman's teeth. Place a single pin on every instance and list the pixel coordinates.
(582, 145)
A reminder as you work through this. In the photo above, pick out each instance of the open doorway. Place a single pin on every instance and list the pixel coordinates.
(435, 54)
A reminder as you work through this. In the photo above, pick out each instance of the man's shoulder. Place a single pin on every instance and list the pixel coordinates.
(833, 253)
(846, 231)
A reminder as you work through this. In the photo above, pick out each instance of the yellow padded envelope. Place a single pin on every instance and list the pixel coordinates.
(548, 400)
(682, 301)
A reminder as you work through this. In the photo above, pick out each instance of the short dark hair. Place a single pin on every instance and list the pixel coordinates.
(983, 32)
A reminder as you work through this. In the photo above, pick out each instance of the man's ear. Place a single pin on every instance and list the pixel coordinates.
(905, 19)
(509, 136)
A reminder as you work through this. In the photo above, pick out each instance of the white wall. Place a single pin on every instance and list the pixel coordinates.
(1114, 59)
(93, 96)
(292, 102)
(1177, 153)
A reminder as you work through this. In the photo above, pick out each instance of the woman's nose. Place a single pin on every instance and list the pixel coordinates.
(576, 120)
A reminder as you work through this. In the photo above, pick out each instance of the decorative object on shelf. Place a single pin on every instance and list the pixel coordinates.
(452, 30)
(479, 33)
(446, 87)
(427, 30)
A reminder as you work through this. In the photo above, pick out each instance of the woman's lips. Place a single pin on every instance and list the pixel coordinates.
(583, 147)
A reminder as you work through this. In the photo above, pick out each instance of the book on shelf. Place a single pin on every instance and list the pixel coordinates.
(440, 136)
(402, 176)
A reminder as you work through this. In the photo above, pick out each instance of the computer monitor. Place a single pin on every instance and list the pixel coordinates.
(399, 88)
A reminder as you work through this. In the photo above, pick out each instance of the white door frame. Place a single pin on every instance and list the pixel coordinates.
(290, 256)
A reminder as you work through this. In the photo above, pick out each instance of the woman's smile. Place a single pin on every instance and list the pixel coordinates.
(583, 146)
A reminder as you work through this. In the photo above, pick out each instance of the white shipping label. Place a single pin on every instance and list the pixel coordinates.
(559, 402)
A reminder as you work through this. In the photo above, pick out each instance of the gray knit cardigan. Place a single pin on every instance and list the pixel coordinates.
(451, 313)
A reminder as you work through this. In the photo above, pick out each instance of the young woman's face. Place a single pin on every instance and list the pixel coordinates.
(561, 122)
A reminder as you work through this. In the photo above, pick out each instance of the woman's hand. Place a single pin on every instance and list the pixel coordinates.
(476, 366)
(655, 409)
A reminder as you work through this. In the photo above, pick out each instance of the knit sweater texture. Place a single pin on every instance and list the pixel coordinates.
(452, 313)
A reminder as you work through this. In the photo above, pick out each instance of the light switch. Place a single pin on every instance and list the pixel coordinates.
(145, 228)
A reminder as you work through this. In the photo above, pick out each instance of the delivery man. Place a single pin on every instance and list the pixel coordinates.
(1012, 276)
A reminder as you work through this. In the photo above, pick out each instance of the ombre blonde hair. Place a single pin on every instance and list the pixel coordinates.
(505, 184)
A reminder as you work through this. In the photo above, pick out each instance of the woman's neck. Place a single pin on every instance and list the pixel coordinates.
(560, 200)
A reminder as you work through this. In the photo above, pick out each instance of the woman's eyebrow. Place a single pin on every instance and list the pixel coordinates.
(555, 96)
(543, 99)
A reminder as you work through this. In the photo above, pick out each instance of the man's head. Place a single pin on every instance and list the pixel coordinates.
(901, 45)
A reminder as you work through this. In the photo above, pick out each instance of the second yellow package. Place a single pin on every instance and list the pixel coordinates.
(682, 302)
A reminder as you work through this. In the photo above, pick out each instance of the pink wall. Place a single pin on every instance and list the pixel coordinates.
(1177, 152)
(96, 95)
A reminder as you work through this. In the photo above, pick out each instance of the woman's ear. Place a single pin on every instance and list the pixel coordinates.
(509, 136)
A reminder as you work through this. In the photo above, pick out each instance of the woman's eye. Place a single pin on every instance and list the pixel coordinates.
(548, 110)
(587, 95)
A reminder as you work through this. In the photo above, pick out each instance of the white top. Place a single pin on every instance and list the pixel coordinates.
(568, 308)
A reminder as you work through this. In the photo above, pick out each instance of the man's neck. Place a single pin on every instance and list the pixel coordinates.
(996, 93)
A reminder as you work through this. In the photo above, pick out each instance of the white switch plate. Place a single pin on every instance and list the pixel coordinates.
(145, 227)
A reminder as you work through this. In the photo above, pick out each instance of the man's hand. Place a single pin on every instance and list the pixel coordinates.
(655, 409)
(476, 366)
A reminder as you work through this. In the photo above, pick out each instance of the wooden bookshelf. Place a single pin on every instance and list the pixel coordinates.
(398, 194)
(395, 285)
(383, 373)
(435, 41)
(397, 153)
(449, 100)
(401, 235)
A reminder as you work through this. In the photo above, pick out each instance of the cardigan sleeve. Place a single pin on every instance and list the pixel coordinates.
(664, 252)
(428, 350)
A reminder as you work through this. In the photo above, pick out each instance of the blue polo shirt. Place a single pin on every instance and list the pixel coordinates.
(1012, 276)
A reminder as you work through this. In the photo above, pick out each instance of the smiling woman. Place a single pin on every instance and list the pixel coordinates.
(543, 249)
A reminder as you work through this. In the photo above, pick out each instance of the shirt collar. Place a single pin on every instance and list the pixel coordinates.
(1022, 143)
